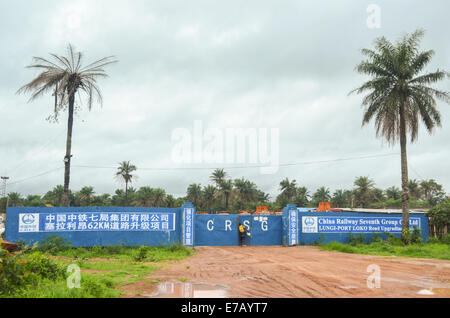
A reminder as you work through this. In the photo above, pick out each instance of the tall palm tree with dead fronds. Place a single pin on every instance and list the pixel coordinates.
(399, 96)
(65, 76)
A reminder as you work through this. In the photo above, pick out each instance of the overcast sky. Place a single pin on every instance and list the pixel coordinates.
(287, 65)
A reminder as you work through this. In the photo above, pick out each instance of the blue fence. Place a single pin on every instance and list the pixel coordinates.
(301, 227)
(163, 226)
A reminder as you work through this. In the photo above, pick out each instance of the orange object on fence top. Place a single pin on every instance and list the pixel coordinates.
(260, 209)
(200, 212)
(324, 207)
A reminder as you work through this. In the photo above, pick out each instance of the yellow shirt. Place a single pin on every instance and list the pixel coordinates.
(241, 229)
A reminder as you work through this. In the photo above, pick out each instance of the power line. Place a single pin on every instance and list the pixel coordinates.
(210, 168)
(36, 176)
(245, 167)
(37, 151)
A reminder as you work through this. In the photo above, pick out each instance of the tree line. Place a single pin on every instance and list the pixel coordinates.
(233, 195)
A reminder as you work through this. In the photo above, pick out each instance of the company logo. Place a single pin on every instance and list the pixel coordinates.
(309, 221)
(28, 219)
(28, 222)
(309, 224)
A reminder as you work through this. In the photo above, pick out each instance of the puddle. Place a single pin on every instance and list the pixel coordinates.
(425, 292)
(190, 290)
(348, 287)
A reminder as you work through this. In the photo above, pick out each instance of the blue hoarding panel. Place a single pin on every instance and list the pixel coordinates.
(327, 227)
(222, 230)
(188, 225)
(216, 230)
(95, 226)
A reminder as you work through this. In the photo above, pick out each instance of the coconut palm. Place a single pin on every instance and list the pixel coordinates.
(209, 195)
(225, 191)
(302, 196)
(322, 195)
(288, 189)
(159, 196)
(364, 191)
(125, 173)
(393, 193)
(218, 176)
(86, 196)
(65, 77)
(245, 190)
(414, 189)
(341, 198)
(399, 96)
(170, 201)
(194, 193)
(55, 196)
(15, 199)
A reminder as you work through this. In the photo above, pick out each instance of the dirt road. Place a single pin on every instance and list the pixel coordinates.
(272, 272)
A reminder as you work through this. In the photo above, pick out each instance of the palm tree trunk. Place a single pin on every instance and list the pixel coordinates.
(126, 192)
(404, 165)
(68, 156)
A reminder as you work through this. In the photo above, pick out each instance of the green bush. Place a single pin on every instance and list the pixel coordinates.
(354, 240)
(53, 244)
(11, 274)
(375, 238)
(43, 267)
(19, 272)
(141, 254)
(416, 236)
(393, 240)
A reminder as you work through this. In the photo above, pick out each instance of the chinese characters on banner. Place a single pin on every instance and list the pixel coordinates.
(98, 221)
(293, 227)
(188, 227)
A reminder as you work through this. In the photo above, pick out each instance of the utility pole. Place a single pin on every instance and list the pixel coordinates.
(4, 180)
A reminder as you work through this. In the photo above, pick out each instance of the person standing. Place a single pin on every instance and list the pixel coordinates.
(241, 229)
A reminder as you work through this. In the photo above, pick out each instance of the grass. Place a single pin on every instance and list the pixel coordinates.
(427, 250)
(104, 270)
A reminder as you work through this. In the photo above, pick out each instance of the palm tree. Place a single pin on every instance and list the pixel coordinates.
(226, 190)
(302, 196)
(245, 190)
(218, 176)
(55, 196)
(341, 198)
(170, 201)
(159, 196)
(209, 195)
(322, 195)
(399, 96)
(65, 77)
(363, 191)
(393, 193)
(125, 174)
(145, 196)
(15, 199)
(414, 189)
(86, 195)
(288, 189)
(194, 193)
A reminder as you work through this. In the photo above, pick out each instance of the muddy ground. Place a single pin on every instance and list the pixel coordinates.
(278, 272)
